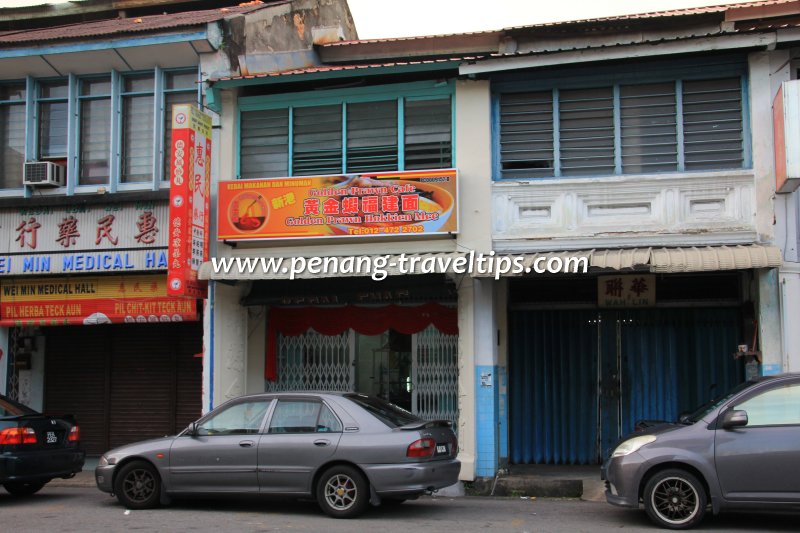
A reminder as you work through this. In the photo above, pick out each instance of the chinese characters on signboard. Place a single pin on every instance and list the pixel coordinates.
(385, 204)
(126, 237)
(626, 290)
(89, 300)
(190, 183)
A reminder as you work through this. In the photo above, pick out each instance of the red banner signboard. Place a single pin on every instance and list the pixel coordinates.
(385, 204)
(89, 300)
(190, 185)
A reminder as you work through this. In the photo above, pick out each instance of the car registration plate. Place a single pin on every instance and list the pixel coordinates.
(441, 449)
(52, 438)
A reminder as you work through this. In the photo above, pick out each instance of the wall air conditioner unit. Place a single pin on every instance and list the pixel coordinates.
(44, 174)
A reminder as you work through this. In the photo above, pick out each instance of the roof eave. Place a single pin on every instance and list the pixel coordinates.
(188, 34)
(274, 79)
(409, 48)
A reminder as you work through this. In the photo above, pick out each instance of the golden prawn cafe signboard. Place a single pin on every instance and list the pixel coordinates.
(350, 205)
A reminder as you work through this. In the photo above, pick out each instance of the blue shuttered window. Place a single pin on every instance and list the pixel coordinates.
(346, 132)
(712, 122)
(622, 129)
(648, 128)
(12, 135)
(108, 129)
(95, 131)
(526, 134)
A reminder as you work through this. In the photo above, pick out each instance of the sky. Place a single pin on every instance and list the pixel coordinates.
(404, 18)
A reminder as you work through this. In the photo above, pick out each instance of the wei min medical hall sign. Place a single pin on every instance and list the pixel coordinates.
(80, 239)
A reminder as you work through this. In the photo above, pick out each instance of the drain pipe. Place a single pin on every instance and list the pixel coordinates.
(500, 472)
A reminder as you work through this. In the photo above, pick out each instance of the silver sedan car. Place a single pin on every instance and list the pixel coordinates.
(347, 450)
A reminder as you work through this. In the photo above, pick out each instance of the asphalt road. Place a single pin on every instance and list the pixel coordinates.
(62, 509)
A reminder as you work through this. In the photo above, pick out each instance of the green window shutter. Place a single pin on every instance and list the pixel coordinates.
(317, 142)
(428, 134)
(372, 136)
(586, 129)
(712, 122)
(648, 128)
(265, 144)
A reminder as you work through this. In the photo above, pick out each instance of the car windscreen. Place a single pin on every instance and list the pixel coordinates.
(388, 413)
(9, 407)
(705, 409)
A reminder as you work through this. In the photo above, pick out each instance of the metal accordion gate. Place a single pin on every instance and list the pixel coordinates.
(315, 362)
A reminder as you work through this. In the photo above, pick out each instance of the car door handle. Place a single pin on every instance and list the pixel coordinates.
(321, 442)
(246, 444)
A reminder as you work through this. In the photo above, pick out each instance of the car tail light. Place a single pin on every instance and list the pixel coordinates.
(18, 436)
(421, 448)
(74, 434)
(454, 448)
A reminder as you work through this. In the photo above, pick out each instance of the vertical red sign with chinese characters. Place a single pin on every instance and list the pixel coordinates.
(190, 185)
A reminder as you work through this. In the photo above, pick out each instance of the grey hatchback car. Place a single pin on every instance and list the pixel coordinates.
(740, 452)
(347, 450)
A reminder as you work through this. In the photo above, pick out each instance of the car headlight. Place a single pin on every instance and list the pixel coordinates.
(105, 461)
(632, 445)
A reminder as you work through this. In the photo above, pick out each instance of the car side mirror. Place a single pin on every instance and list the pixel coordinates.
(192, 429)
(734, 419)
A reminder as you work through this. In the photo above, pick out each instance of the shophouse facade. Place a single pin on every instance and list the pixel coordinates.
(653, 162)
(86, 115)
(643, 144)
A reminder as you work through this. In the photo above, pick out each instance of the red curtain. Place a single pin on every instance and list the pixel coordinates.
(365, 320)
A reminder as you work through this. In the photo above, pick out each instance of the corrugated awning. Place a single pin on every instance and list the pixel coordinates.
(658, 260)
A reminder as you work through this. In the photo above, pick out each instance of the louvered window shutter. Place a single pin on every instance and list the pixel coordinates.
(372, 136)
(428, 134)
(648, 128)
(317, 140)
(12, 147)
(526, 134)
(712, 122)
(95, 138)
(264, 144)
(586, 128)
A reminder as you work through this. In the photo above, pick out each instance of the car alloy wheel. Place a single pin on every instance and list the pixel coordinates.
(342, 492)
(138, 485)
(675, 499)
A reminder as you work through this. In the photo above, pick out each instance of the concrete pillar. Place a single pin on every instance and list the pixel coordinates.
(225, 364)
(466, 379)
(487, 423)
(473, 136)
(789, 282)
(769, 321)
